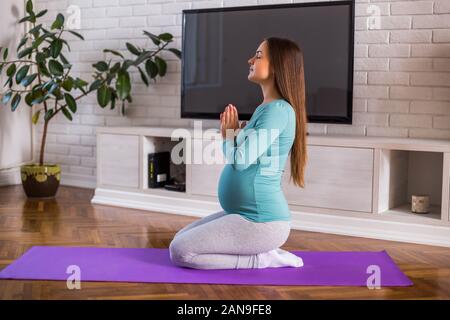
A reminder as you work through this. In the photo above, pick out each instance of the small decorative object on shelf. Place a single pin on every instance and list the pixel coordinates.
(420, 203)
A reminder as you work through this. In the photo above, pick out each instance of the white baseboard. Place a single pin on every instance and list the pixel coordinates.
(10, 177)
(326, 223)
(74, 180)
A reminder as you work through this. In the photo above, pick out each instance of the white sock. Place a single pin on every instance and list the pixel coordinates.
(278, 258)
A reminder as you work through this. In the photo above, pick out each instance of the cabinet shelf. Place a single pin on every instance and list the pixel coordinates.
(404, 211)
(403, 173)
(364, 185)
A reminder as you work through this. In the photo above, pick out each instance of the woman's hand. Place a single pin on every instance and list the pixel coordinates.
(229, 120)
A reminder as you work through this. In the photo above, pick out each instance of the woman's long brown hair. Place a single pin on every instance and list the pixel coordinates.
(286, 59)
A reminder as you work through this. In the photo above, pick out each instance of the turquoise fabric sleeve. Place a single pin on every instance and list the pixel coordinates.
(268, 127)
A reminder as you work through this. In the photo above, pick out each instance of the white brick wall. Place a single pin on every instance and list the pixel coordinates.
(401, 79)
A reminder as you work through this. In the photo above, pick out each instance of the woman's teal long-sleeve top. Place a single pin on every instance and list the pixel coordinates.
(250, 183)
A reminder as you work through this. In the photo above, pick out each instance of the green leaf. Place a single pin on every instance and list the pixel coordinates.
(80, 83)
(55, 48)
(40, 57)
(162, 66)
(35, 31)
(71, 103)
(27, 18)
(154, 38)
(29, 99)
(59, 22)
(5, 54)
(22, 43)
(29, 7)
(38, 41)
(176, 52)
(132, 49)
(123, 85)
(57, 93)
(151, 68)
(66, 113)
(24, 52)
(36, 96)
(41, 13)
(39, 100)
(126, 64)
(142, 57)
(68, 84)
(167, 37)
(11, 70)
(115, 68)
(143, 76)
(113, 52)
(54, 89)
(42, 68)
(35, 117)
(103, 96)
(66, 43)
(101, 66)
(32, 18)
(55, 68)
(28, 79)
(47, 85)
(113, 102)
(9, 82)
(15, 102)
(95, 85)
(76, 34)
(6, 97)
(22, 73)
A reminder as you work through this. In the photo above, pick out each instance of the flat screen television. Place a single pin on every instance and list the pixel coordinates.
(218, 42)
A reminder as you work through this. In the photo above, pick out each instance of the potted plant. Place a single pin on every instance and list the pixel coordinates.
(42, 77)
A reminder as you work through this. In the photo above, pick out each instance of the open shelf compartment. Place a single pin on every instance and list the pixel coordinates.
(151, 144)
(404, 173)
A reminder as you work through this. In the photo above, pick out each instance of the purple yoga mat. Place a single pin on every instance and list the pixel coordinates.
(154, 265)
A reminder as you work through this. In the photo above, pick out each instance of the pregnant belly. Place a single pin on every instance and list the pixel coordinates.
(236, 189)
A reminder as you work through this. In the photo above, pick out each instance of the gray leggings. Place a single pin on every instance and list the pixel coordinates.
(226, 241)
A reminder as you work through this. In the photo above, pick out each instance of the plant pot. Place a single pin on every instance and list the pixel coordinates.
(40, 181)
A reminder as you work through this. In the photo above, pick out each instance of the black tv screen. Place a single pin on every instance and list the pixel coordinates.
(218, 42)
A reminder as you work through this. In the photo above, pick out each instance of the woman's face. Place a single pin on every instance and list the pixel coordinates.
(259, 64)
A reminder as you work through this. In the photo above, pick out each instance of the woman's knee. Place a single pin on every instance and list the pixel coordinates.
(179, 254)
(279, 234)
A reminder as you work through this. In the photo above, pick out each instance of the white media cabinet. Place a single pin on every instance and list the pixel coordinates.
(358, 186)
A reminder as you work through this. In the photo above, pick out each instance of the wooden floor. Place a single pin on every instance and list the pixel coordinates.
(70, 220)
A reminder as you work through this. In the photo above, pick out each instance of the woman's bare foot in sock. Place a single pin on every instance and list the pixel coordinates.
(278, 258)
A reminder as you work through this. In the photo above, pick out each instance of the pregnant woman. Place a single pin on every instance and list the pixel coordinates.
(255, 220)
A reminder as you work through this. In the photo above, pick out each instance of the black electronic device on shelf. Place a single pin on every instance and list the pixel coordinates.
(158, 169)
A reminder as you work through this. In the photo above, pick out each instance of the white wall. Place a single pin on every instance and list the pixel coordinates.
(15, 127)
(401, 79)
